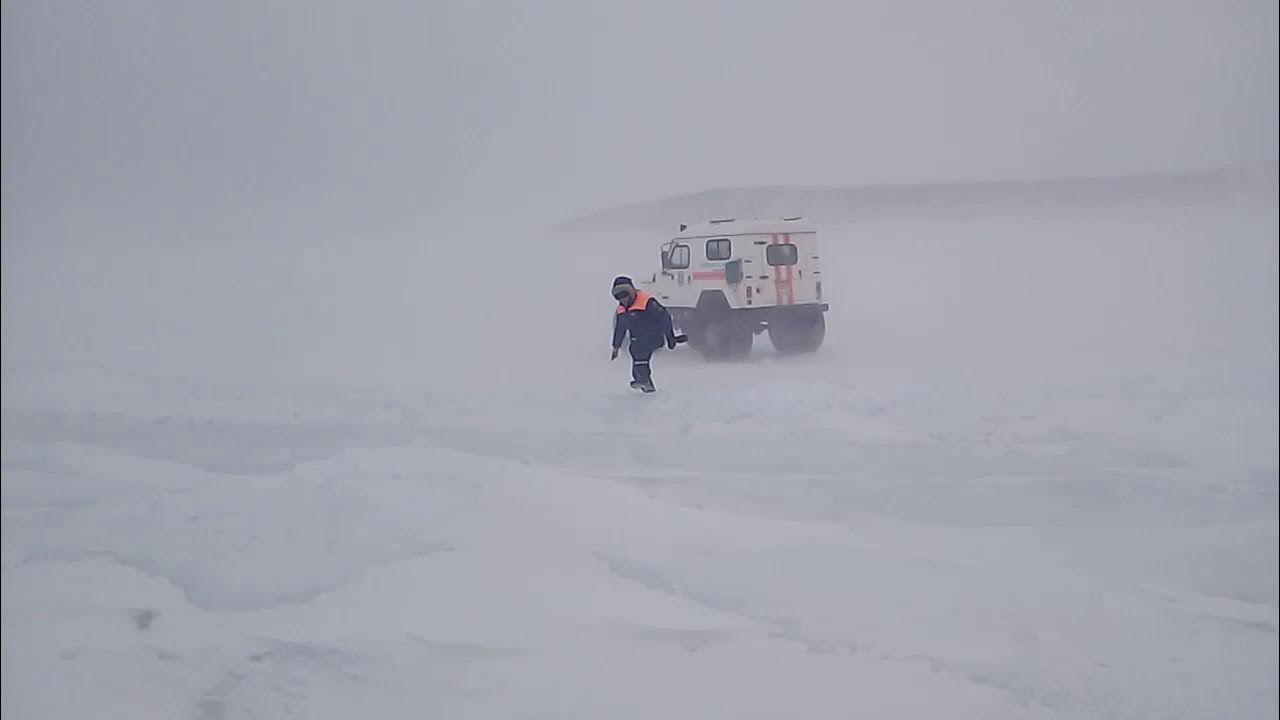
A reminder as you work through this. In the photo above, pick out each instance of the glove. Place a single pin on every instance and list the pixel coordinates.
(673, 342)
(614, 356)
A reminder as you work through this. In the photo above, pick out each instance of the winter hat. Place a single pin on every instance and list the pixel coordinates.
(622, 281)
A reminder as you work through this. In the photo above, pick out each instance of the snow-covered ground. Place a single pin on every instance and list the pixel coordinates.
(1033, 474)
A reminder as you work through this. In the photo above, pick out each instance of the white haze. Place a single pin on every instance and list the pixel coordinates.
(308, 408)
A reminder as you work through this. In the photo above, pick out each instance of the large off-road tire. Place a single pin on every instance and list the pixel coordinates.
(798, 334)
(725, 338)
(716, 333)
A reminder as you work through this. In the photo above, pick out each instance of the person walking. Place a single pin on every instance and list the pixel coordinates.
(649, 324)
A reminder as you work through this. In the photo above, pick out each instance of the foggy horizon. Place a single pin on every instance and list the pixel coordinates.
(356, 116)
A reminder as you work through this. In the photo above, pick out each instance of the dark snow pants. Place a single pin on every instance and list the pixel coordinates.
(641, 353)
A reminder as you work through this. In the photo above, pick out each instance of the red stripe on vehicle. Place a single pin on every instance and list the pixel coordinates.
(777, 275)
(709, 275)
(791, 287)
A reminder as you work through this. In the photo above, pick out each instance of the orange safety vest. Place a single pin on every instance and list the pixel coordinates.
(642, 300)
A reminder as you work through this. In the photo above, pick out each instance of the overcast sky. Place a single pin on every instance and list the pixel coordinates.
(357, 113)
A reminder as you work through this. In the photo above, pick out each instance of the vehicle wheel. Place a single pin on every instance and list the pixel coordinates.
(800, 334)
(739, 340)
(715, 332)
(722, 338)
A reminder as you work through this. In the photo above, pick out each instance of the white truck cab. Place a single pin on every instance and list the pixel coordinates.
(726, 281)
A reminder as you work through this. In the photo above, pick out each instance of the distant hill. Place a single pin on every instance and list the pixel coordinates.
(867, 201)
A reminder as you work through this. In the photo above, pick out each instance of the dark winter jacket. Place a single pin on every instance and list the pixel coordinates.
(647, 320)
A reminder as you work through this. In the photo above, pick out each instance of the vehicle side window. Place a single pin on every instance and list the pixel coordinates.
(783, 254)
(719, 249)
(679, 257)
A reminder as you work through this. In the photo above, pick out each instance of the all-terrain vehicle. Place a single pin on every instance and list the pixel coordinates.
(726, 281)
